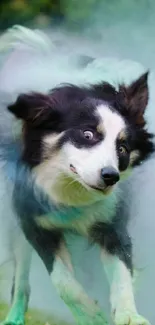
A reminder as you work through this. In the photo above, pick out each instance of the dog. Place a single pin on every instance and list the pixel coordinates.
(76, 145)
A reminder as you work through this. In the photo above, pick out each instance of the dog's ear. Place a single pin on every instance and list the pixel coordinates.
(134, 99)
(35, 109)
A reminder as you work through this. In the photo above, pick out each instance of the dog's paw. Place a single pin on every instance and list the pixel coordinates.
(129, 318)
(88, 316)
(98, 319)
(12, 322)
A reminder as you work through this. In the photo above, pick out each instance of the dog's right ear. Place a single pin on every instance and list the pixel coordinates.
(35, 109)
(134, 99)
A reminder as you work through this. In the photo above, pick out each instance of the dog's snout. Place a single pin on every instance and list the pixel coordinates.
(109, 175)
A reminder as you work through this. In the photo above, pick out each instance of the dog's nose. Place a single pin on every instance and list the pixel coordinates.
(109, 175)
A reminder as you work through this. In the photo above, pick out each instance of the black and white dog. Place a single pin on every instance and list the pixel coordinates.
(75, 146)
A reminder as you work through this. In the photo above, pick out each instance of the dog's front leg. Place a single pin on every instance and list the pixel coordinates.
(122, 297)
(50, 245)
(84, 309)
(116, 255)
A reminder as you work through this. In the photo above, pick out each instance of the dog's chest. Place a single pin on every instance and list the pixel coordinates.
(79, 219)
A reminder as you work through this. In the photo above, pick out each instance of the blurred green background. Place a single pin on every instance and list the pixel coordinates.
(73, 13)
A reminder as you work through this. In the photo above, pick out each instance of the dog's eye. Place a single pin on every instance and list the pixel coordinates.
(122, 150)
(88, 135)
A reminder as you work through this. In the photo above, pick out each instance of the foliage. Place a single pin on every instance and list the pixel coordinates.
(24, 11)
(73, 12)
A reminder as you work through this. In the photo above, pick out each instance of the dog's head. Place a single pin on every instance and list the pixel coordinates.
(88, 136)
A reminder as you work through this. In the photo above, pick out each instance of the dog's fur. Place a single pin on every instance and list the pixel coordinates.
(69, 137)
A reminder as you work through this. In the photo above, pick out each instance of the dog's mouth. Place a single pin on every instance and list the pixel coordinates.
(104, 190)
(73, 169)
(101, 189)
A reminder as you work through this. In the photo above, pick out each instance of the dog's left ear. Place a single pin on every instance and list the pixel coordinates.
(35, 109)
(134, 99)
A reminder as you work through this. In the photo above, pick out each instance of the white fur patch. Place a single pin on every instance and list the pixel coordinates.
(122, 300)
(120, 280)
(63, 278)
(66, 285)
(84, 309)
(62, 188)
(113, 124)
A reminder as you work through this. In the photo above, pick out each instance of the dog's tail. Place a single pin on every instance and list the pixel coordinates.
(20, 37)
(24, 52)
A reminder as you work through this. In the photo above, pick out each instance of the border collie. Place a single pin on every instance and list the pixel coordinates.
(77, 143)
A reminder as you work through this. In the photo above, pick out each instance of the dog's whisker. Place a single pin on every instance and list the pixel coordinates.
(72, 182)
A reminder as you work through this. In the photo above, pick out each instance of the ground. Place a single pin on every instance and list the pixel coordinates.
(33, 317)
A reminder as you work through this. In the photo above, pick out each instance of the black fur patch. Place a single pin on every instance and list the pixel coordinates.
(45, 242)
(114, 239)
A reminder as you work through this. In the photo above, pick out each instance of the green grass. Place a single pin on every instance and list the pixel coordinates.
(33, 317)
